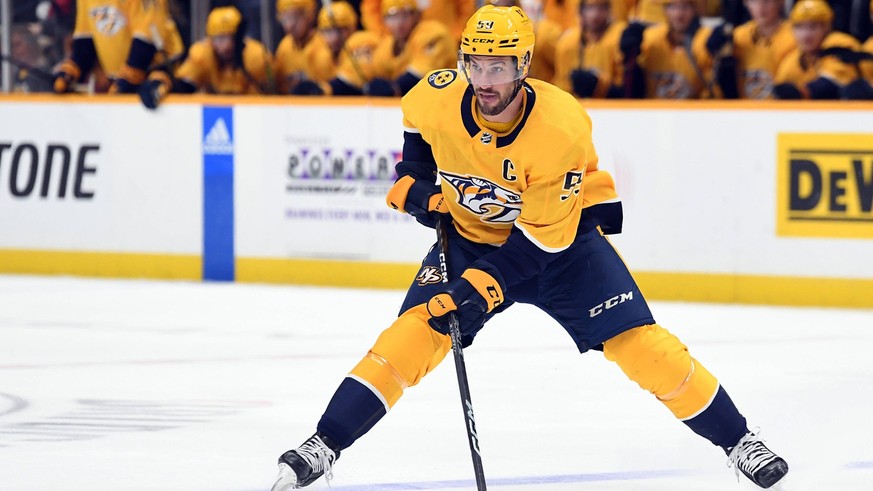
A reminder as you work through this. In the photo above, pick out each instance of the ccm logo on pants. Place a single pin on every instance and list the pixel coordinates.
(612, 302)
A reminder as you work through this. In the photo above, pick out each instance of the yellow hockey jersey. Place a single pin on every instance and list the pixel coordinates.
(113, 24)
(548, 34)
(428, 48)
(758, 58)
(601, 57)
(202, 70)
(355, 65)
(494, 181)
(674, 71)
(794, 69)
(293, 63)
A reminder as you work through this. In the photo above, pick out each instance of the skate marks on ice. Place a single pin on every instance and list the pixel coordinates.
(532, 481)
(95, 418)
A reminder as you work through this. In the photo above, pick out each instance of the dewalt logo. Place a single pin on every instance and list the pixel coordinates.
(825, 185)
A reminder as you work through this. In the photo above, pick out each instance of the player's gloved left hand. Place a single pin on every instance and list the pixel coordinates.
(584, 82)
(471, 296)
(787, 91)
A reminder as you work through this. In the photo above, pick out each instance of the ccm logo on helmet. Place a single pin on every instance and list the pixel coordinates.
(482, 40)
(612, 302)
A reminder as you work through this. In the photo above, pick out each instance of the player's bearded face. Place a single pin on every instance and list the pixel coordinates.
(494, 80)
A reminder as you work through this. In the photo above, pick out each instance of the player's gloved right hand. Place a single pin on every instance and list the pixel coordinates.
(720, 36)
(65, 77)
(151, 92)
(787, 91)
(422, 200)
(471, 296)
(584, 82)
(632, 39)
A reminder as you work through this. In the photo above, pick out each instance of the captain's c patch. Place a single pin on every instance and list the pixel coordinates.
(440, 79)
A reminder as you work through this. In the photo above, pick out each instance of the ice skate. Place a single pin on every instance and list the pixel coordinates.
(757, 462)
(301, 467)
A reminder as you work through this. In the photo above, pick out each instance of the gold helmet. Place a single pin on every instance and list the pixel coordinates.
(223, 21)
(811, 11)
(497, 31)
(340, 14)
(390, 7)
(284, 5)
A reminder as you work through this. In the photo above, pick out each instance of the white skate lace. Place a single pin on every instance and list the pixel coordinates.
(749, 455)
(318, 455)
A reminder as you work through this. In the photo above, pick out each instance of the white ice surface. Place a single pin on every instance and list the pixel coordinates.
(141, 385)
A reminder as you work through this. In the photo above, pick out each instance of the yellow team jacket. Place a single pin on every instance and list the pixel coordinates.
(670, 69)
(794, 70)
(601, 57)
(293, 63)
(428, 48)
(758, 58)
(355, 64)
(202, 70)
(113, 24)
(450, 13)
(548, 33)
(494, 181)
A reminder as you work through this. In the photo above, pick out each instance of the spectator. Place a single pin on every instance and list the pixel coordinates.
(587, 61)
(226, 62)
(746, 59)
(451, 13)
(668, 60)
(295, 56)
(818, 68)
(28, 62)
(336, 23)
(122, 39)
(412, 48)
(354, 69)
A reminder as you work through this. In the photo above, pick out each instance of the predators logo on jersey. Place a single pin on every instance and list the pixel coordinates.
(108, 20)
(490, 202)
(441, 78)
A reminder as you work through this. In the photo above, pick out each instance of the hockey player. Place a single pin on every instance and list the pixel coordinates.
(450, 13)
(668, 60)
(746, 58)
(296, 53)
(815, 69)
(120, 39)
(226, 62)
(337, 21)
(528, 223)
(587, 61)
(412, 48)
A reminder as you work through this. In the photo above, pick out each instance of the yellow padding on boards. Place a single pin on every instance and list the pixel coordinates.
(403, 354)
(660, 363)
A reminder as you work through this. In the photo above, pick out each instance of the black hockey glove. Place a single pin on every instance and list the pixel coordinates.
(787, 91)
(632, 39)
(473, 295)
(584, 82)
(860, 89)
(720, 36)
(151, 93)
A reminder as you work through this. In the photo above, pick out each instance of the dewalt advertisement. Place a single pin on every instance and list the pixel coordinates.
(825, 185)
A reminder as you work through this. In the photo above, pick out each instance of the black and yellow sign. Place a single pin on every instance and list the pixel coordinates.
(825, 185)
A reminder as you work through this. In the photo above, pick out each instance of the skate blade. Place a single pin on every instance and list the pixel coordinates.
(287, 479)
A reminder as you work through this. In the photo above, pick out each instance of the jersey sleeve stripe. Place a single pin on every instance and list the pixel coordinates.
(407, 129)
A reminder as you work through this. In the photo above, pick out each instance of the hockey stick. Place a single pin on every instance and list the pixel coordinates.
(460, 365)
